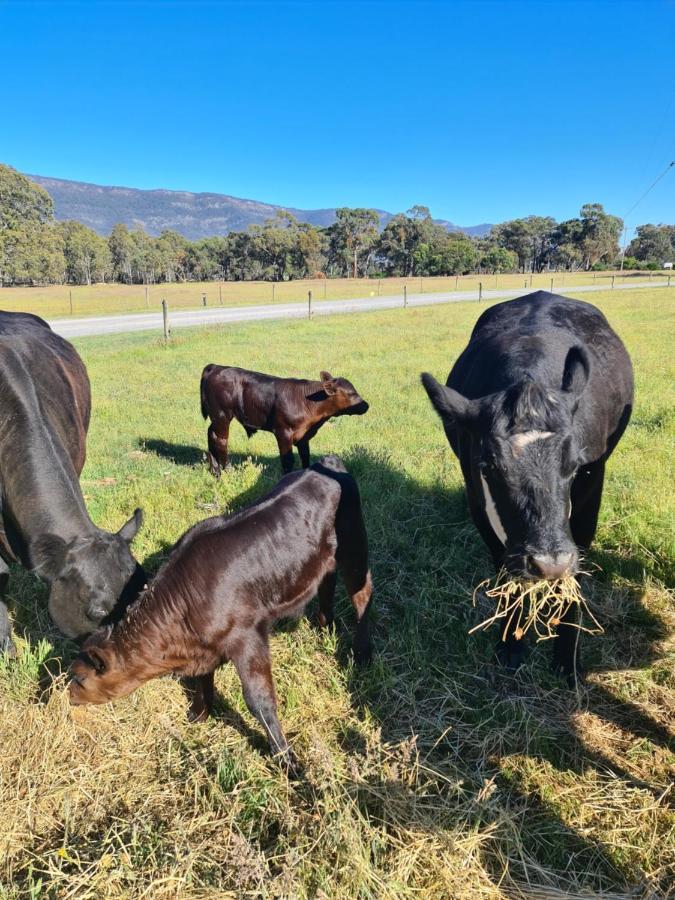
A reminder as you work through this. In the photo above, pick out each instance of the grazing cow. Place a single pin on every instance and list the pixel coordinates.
(44, 409)
(293, 409)
(227, 581)
(533, 407)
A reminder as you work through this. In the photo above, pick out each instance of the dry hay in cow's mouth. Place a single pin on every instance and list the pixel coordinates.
(538, 605)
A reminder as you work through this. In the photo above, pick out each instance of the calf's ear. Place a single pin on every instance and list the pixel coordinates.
(128, 531)
(94, 658)
(575, 373)
(325, 376)
(450, 405)
(49, 554)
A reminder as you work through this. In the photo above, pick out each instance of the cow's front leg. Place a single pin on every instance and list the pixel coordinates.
(7, 645)
(199, 691)
(303, 451)
(566, 647)
(285, 442)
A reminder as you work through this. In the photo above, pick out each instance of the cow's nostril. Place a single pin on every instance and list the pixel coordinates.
(549, 565)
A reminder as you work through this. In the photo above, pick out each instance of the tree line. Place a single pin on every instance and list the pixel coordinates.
(36, 249)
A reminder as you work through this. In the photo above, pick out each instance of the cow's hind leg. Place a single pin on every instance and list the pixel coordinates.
(200, 693)
(361, 600)
(218, 435)
(252, 662)
(326, 594)
(6, 643)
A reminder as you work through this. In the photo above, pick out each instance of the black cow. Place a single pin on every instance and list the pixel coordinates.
(45, 404)
(533, 407)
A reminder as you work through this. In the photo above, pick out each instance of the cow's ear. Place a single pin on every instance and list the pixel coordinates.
(128, 531)
(325, 376)
(329, 386)
(575, 373)
(49, 553)
(450, 405)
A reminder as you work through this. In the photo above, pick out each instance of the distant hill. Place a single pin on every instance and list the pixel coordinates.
(192, 215)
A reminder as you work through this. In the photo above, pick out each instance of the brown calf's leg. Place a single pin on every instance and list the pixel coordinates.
(326, 594)
(363, 650)
(200, 693)
(303, 451)
(285, 442)
(217, 437)
(252, 663)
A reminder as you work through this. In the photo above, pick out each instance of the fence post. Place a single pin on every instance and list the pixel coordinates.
(165, 319)
(650, 276)
(480, 291)
(273, 286)
(220, 294)
(456, 281)
(551, 285)
(405, 296)
(421, 285)
(530, 279)
(669, 281)
(147, 297)
(203, 299)
(525, 285)
(379, 282)
(325, 286)
(309, 304)
(594, 276)
(70, 298)
(613, 277)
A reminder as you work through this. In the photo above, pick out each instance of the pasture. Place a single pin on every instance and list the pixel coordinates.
(432, 774)
(56, 301)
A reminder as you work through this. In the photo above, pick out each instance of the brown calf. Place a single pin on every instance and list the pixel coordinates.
(227, 581)
(293, 409)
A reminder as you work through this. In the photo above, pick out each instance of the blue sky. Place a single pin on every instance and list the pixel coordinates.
(481, 111)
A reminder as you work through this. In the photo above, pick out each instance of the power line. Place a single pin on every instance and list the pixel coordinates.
(637, 202)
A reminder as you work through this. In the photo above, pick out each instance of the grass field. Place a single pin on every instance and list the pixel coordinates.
(99, 299)
(431, 775)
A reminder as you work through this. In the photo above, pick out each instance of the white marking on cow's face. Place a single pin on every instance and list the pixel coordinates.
(520, 441)
(491, 512)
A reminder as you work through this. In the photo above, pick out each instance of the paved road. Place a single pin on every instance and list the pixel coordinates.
(216, 315)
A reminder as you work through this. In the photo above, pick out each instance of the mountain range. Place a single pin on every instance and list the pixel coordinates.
(193, 215)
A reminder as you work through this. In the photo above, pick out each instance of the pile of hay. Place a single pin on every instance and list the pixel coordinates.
(538, 605)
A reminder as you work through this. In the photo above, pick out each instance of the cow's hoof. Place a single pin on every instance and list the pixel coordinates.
(363, 656)
(197, 714)
(7, 647)
(571, 676)
(289, 763)
(510, 655)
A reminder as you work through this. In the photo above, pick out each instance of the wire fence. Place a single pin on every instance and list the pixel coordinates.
(108, 299)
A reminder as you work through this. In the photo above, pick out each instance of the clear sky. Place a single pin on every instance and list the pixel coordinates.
(482, 111)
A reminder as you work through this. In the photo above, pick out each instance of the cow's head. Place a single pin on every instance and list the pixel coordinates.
(89, 577)
(344, 397)
(523, 458)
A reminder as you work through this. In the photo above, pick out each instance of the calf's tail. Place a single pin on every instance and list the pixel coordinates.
(202, 389)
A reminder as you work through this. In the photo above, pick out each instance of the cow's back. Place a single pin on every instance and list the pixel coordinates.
(43, 387)
(531, 337)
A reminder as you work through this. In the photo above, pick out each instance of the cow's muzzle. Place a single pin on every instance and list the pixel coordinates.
(552, 566)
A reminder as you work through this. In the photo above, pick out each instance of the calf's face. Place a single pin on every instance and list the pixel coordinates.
(522, 459)
(97, 675)
(344, 396)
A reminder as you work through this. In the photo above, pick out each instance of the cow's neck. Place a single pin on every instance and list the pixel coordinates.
(41, 495)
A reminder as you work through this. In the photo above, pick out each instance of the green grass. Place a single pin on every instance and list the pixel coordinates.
(432, 774)
(101, 299)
